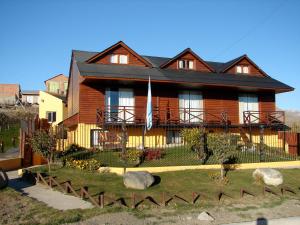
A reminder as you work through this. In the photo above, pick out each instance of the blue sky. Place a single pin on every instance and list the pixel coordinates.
(37, 37)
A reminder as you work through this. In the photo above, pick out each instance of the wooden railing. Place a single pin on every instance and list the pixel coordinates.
(264, 117)
(137, 115)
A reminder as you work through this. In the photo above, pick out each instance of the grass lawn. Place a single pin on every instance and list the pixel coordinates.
(16, 208)
(180, 156)
(6, 136)
(182, 183)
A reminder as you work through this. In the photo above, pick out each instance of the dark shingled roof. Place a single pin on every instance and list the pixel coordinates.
(156, 73)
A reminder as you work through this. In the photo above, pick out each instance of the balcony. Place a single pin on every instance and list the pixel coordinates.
(268, 118)
(167, 116)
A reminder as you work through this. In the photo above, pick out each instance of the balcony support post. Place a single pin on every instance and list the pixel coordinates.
(261, 144)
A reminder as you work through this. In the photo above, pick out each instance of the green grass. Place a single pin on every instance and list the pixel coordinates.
(182, 183)
(6, 136)
(181, 156)
(16, 208)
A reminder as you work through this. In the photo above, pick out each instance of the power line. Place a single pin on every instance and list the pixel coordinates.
(255, 27)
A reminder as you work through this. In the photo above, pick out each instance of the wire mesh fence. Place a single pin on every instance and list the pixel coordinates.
(130, 145)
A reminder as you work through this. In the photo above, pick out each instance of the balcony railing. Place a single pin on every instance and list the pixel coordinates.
(264, 117)
(137, 115)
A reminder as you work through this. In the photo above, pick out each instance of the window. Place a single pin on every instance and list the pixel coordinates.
(242, 69)
(190, 107)
(51, 116)
(186, 64)
(123, 59)
(53, 87)
(96, 138)
(119, 104)
(119, 59)
(173, 137)
(249, 102)
(65, 86)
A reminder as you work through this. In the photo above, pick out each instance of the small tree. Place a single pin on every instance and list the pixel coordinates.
(44, 143)
(195, 138)
(223, 147)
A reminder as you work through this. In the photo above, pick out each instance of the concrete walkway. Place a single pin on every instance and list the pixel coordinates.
(52, 198)
(264, 221)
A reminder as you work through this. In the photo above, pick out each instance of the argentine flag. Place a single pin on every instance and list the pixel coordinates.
(149, 107)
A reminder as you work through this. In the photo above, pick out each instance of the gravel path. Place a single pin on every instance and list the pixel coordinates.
(52, 198)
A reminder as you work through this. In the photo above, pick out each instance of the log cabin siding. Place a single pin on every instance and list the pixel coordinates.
(218, 101)
(198, 65)
(92, 97)
(73, 90)
(132, 59)
(253, 70)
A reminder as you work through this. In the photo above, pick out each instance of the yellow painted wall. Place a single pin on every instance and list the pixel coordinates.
(81, 135)
(287, 164)
(48, 103)
(156, 137)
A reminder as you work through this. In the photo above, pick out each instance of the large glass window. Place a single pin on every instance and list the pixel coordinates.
(119, 104)
(248, 103)
(190, 106)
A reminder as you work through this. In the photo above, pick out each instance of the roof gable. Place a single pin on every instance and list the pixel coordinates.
(230, 67)
(119, 48)
(200, 64)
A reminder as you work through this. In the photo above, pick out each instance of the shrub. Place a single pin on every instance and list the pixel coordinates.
(70, 150)
(134, 155)
(195, 138)
(215, 176)
(223, 147)
(90, 164)
(154, 154)
(44, 143)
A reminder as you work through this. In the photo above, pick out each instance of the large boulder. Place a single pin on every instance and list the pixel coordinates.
(3, 179)
(269, 176)
(138, 180)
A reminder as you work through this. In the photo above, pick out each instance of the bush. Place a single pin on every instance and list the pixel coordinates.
(154, 154)
(134, 155)
(90, 164)
(70, 150)
(195, 138)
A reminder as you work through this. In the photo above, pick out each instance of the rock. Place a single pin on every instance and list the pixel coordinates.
(20, 172)
(204, 216)
(138, 180)
(269, 176)
(103, 170)
(3, 179)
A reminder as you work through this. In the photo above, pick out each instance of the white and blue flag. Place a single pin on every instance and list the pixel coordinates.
(149, 107)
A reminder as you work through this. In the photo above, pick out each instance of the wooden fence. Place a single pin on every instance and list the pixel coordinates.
(102, 199)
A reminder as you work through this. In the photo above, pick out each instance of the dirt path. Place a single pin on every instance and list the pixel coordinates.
(52, 198)
(221, 214)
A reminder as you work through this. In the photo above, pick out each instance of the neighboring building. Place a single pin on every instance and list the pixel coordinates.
(30, 97)
(52, 107)
(9, 94)
(57, 84)
(110, 87)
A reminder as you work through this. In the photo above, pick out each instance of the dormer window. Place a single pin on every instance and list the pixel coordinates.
(186, 64)
(242, 69)
(119, 59)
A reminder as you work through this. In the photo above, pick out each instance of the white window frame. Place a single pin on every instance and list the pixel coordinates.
(123, 59)
(187, 111)
(248, 102)
(51, 113)
(185, 64)
(123, 100)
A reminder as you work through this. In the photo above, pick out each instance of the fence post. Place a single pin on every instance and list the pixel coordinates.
(261, 144)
